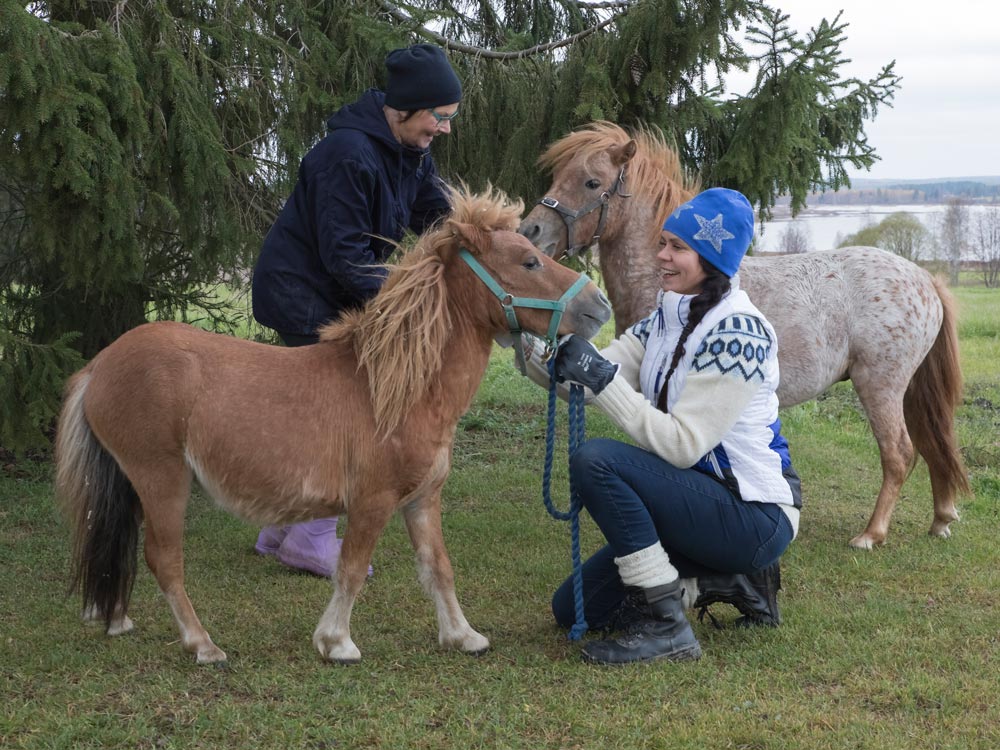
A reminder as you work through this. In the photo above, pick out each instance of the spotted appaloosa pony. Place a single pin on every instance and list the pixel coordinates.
(361, 423)
(856, 313)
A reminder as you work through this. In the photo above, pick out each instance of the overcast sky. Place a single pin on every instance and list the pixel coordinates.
(945, 118)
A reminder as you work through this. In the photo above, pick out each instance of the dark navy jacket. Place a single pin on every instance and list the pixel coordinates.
(356, 185)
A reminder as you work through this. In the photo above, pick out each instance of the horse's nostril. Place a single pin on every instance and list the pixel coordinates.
(531, 231)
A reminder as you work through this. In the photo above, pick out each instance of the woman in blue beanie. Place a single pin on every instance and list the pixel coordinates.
(708, 491)
(360, 188)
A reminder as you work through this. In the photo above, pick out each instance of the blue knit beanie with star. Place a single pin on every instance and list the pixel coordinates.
(717, 224)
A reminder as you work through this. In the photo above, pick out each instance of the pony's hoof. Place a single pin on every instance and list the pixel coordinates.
(864, 541)
(942, 531)
(477, 646)
(345, 662)
(471, 643)
(92, 616)
(212, 655)
(339, 652)
(941, 525)
(118, 627)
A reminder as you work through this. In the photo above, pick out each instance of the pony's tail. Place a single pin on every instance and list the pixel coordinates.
(103, 508)
(929, 405)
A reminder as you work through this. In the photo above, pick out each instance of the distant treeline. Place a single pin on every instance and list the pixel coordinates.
(967, 191)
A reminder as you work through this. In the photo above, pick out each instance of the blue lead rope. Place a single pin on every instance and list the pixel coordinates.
(577, 436)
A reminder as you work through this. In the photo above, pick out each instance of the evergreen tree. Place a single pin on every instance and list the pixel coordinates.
(146, 147)
(145, 150)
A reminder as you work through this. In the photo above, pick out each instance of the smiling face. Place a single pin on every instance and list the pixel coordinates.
(679, 265)
(419, 130)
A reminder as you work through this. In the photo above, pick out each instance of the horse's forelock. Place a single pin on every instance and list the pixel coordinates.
(490, 210)
(655, 170)
(591, 139)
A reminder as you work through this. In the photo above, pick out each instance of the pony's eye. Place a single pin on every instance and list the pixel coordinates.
(532, 263)
(593, 184)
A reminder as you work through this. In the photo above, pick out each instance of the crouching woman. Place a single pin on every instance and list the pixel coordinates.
(708, 491)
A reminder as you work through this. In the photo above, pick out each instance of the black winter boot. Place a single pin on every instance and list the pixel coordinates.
(755, 595)
(664, 634)
(632, 609)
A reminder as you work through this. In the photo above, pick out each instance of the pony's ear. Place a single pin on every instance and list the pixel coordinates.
(471, 237)
(621, 154)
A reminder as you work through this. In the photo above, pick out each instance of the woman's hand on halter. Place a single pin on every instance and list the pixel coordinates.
(579, 362)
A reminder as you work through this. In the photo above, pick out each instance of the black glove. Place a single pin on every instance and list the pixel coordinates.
(578, 361)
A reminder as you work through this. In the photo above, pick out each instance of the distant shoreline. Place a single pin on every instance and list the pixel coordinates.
(826, 226)
(973, 191)
(858, 183)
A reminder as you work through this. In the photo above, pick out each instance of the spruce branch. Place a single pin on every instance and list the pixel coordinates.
(493, 54)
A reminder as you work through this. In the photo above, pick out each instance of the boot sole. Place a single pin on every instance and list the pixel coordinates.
(310, 565)
(304, 564)
(692, 653)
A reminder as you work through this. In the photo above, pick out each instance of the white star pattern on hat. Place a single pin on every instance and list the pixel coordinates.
(680, 209)
(713, 231)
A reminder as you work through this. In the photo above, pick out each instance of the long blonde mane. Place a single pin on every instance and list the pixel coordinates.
(654, 172)
(400, 335)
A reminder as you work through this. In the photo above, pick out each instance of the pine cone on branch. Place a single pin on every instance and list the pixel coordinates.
(637, 67)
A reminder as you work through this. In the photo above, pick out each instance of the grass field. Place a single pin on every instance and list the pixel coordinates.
(894, 648)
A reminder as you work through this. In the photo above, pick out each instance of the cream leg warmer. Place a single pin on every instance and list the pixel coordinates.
(646, 568)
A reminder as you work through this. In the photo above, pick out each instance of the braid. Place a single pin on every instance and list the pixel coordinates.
(713, 289)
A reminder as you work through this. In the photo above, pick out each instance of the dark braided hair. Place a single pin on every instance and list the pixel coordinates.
(713, 289)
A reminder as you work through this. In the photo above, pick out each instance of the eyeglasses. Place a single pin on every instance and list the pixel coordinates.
(439, 118)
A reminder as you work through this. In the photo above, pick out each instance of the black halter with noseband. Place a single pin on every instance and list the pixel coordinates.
(569, 216)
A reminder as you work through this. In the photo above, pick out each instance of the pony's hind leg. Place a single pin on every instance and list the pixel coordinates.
(931, 400)
(332, 637)
(423, 522)
(164, 499)
(884, 406)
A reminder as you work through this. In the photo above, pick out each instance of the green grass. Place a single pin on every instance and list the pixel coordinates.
(894, 648)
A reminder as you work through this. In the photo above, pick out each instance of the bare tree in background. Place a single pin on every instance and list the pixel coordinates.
(795, 239)
(954, 233)
(986, 238)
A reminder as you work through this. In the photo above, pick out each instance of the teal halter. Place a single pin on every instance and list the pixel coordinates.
(508, 302)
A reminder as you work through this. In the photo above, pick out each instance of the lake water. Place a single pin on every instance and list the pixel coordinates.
(825, 225)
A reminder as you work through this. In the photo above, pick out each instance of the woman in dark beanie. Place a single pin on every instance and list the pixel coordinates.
(708, 490)
(368, 181)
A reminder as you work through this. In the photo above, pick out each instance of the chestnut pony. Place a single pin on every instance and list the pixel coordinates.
(361, 423)
(856, 313)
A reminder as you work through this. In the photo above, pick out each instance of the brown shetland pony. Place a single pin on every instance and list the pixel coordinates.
(361, 423)
(856, 313)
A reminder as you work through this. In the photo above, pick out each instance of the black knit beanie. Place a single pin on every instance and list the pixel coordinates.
(420, 77)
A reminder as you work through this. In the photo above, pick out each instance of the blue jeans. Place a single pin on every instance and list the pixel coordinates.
(637, 499)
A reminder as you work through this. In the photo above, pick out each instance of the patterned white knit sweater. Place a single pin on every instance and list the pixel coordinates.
(722, 411)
